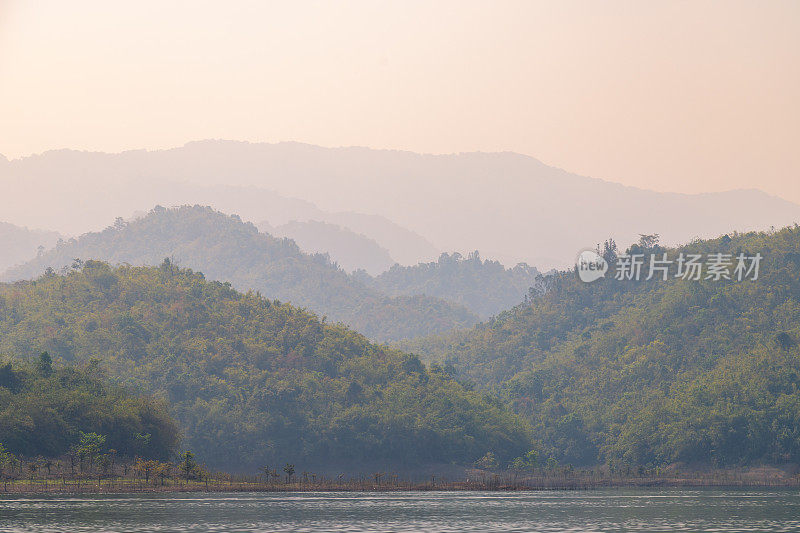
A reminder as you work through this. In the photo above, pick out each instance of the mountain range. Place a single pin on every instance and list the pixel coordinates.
(511, 207)
(227, 249)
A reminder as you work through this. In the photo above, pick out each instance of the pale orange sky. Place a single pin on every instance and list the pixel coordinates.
(677, 96)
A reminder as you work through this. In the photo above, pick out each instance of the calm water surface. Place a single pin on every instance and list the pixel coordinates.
(598, 510)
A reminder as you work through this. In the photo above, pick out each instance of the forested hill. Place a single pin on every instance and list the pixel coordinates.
(253, 381)
(46, 411)
(226, 249)
(655, 372)
(483, 286)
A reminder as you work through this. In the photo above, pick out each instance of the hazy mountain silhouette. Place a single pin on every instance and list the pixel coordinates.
(404, 245)
(226, 249)
(483, 286)
(21, 244)
(348, 249)
(78, 192)
(509, 206)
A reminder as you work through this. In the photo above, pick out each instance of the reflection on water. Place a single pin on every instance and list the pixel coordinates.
(599, 510)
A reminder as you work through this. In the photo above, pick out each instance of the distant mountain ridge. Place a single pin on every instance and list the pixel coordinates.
(21, 244)
(43, 191)
(348, 249)
(512, 207)
(486, 287)
(225, 248)
(401, 303)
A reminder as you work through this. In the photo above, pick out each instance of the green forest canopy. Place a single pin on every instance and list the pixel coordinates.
(45, 410)
(254, 381)
(652, 372)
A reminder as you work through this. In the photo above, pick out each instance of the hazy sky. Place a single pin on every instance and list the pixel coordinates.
(680, 96)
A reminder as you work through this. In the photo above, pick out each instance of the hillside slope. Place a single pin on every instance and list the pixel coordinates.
(253, 381)
(654, 372)
(226, 249)
(483, 286)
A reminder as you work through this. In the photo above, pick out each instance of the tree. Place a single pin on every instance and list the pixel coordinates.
(44, 365)
(609, 251)
(785, 341)
(162, 470)
(187, 466)
(105, 463)
(529, 461)
(33, 466)
(289, 469)
(9, 379)
(204, 475)
(7, 460)
(487, 462)
(145, 468)
(90, 446)
(142, 442)
(648, 241)
(413, 365)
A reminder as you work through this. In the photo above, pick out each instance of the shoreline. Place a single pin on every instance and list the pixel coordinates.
(40, 487)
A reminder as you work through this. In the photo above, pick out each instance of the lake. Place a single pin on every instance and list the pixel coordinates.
(597, 510)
